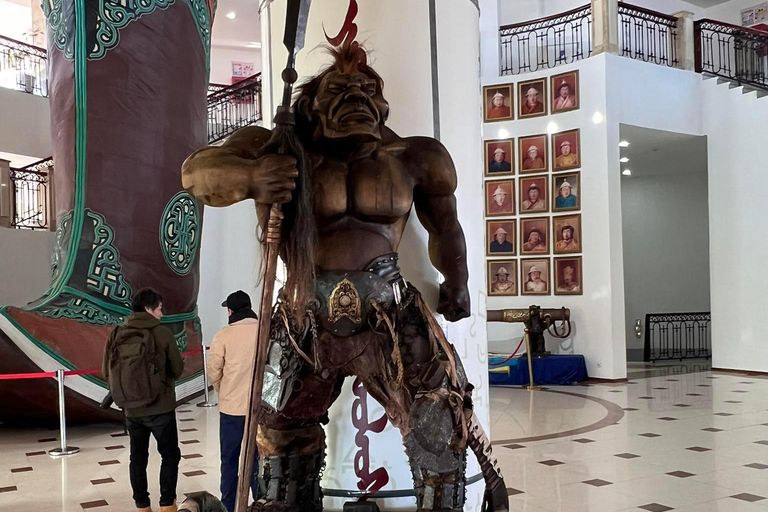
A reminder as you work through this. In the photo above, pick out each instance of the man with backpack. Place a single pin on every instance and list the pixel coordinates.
(141, 364)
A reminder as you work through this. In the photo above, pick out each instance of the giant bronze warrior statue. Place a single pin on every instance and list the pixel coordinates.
(361, 317)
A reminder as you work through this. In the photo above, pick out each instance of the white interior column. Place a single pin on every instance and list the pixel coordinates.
(427, 52)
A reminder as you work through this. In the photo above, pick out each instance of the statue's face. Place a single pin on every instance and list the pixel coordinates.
(349, 106)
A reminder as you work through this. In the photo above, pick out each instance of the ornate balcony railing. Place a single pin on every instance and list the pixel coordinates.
(212, 88)
(23, 67)
(29, 189)
(647, 35)
(677, 336)
(234, 107)
(547, 42)
(735, 53)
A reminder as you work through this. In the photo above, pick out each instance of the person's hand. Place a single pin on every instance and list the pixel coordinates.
(454, 302)
(273, 179)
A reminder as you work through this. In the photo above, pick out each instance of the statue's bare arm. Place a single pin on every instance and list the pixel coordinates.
(226, 174)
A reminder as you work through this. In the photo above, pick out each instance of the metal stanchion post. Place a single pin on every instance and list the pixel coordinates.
(531, 385)
(207, 402)
(63, 449)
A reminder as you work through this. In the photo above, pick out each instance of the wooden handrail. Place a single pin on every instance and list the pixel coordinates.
(753, 31)
(239, 85)
(545, 19)
(650, 12)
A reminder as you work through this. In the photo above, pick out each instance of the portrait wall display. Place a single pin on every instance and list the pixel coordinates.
(500, 157)
(498, 103)
(534, 276)
(567, 233)
(566, 147)
(532, 98)
(565, 92)
(533, 194)
(499, 198)
(500, 237)
(502, 278)
(534, 236)
(532, 153)
(568, 277)
(566, 192)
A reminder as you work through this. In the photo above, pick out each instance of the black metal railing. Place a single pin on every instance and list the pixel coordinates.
(212, 88)
(234, 107)
(647, 35)
(735, 53)
(23, 67)
(677, 336)
(547, 42)
(29, 189)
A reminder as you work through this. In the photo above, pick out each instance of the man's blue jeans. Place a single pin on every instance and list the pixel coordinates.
(231, 429)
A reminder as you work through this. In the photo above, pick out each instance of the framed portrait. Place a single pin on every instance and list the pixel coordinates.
(567, 233)
(565, 92)
(532, 153)
(533, 194)
(566, 147)
(500, 240)
(568, 277)
(534, 236)
(499, 198)
(500, 157)
(532, 98)
(534, 276)
(502, 278)
(498, 102)
(566, 192)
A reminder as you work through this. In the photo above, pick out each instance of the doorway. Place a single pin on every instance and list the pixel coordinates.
(665, 226)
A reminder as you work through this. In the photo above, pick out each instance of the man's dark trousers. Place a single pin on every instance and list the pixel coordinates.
(163, 428)
(231, 430)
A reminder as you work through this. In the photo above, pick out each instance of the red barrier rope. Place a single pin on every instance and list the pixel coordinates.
(93, 371)
(510, 357)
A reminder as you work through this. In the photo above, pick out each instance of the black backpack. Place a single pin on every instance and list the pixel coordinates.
(136, 370)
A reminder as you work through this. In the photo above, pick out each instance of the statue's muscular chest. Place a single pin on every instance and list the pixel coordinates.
(377, 189)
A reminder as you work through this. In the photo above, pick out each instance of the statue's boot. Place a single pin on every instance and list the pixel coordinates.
(128, 105)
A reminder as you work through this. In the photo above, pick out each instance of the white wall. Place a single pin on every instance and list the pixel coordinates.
(15, 19)
(729, 12)
(665, 221)
(25, 265)
(221, 62)
(229, 261)
(29, 133)
(737, 131)
(598, 326)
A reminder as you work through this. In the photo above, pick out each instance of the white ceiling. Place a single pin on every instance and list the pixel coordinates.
(656, 152)
(708, 3)
(240, 32)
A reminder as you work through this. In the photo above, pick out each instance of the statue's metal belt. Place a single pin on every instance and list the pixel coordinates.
(345, 297)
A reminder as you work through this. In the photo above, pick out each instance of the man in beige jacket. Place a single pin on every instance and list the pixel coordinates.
(230, 364)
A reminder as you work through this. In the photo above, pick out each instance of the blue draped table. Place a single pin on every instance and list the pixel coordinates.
(550, 370)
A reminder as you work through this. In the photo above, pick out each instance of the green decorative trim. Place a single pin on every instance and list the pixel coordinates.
(114, 15)
(60, 25)
(121, 311)
(104, 273)
(65, 223)
(181, 339)
(83, 310)
(203, 18)
(180, 233)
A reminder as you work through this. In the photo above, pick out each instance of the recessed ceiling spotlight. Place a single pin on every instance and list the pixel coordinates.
(626, 172)
(231, 15)
(624, 160)
(623, 144)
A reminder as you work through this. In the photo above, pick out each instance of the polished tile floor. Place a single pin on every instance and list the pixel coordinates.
(677, 438)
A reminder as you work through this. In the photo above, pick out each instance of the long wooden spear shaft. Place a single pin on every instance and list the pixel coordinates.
(295, 31)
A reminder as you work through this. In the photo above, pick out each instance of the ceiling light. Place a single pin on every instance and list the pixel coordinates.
(624, 160)
(3, 185)
(598, 118)
(253, 44)
(626, 172)
(231, 15)
(623, 144)
(552, 127)
(503, 134)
